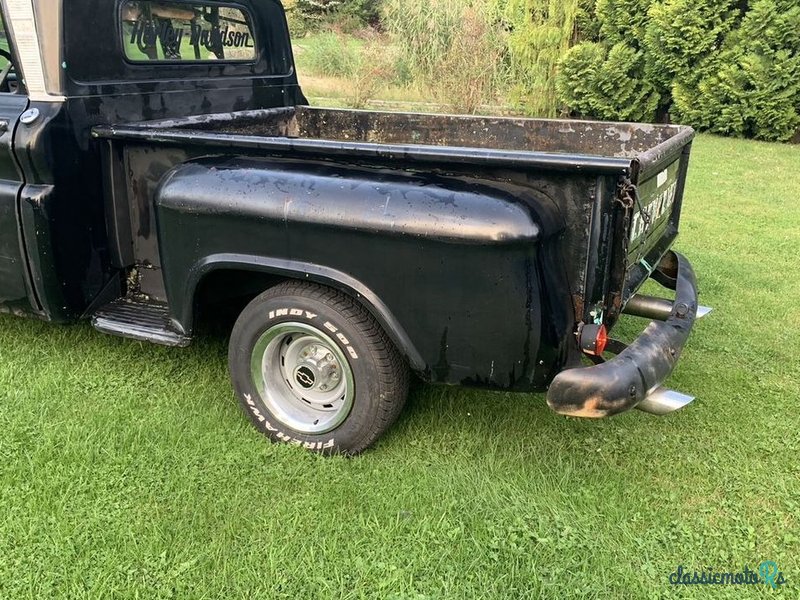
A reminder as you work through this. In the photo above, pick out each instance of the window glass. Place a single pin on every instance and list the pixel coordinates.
(8, 73)
(5, 47)
(177, 31)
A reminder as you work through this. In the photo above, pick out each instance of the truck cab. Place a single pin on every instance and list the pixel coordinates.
(69, 68)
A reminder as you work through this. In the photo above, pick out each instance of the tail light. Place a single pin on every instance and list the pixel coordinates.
(594, 339)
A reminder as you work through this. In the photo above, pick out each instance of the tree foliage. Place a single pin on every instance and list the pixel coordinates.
(607, 83)
(312, 14)
(683, 37)
(622, 21)
(727, 66)
(539, 34)
(752, 87)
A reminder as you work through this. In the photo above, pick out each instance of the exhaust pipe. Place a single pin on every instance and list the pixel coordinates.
(656, 309)
(662, 401)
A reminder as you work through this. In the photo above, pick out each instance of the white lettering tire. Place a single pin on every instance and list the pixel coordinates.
(312, 367)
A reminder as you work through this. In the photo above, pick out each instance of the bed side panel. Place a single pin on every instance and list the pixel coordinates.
(453, 263)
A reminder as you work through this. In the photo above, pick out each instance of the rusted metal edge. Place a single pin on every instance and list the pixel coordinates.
(405, 152)
(648, 163)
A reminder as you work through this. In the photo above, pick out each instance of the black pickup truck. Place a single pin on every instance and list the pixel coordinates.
(159, 162)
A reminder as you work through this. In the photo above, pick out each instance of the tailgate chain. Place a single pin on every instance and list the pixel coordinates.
(628, 197)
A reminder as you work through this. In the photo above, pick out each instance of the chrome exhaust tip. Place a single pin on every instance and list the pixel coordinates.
(703, 311)
(662, 401)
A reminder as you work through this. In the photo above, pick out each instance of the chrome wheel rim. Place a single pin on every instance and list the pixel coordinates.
(303, 378)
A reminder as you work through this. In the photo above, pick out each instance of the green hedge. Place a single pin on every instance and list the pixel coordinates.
(622, 21)
(751, 87)
(730, 67)
(607, 83)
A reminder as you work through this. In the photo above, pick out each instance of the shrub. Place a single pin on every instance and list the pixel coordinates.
(684, 37)
(316, 9)
(587, 26)
(727, 66)
(424, 31)
(364, 12)
(623, 21)
(466, 74)
(297, 26)
(343, 15)
(606, 84)
(752, 88)
(373, 70)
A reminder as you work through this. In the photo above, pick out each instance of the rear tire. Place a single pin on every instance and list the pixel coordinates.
(312, 367)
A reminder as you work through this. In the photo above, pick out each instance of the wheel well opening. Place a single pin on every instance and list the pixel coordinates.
(222, 295)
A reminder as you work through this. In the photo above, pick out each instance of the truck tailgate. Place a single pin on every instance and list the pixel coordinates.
(655, 208)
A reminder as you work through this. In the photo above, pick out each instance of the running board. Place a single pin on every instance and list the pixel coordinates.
(143, 321)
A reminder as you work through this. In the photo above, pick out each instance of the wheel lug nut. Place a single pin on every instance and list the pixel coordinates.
(329, 356)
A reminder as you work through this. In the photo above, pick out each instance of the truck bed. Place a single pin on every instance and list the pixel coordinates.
(605, 196)
(560, 144)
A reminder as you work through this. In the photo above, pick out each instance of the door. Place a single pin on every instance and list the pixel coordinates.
(13, 102)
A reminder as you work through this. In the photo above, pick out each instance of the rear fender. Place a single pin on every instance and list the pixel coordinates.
(303, 272)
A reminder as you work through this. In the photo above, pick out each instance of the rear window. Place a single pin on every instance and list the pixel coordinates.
(181, 32)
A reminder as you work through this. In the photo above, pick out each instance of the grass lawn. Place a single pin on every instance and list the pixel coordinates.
(127, 470)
